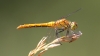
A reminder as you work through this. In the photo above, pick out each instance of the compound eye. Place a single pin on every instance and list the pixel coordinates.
(73, 25)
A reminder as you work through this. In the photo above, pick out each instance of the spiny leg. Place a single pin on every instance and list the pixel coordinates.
(67, 33)
(57, 32)
(61, 30)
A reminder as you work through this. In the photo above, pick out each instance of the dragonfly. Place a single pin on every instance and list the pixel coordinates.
(59, 25)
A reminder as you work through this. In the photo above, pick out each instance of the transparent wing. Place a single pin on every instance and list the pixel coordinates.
(51, 34)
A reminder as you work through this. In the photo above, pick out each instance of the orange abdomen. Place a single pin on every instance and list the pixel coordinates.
(49, 24)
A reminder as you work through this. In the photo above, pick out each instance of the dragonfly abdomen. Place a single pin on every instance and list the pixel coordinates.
(49, 24)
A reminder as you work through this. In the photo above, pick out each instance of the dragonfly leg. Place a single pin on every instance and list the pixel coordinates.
(67, 32)
(57, 32)
(61, 30)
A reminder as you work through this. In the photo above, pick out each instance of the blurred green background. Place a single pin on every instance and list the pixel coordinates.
(15, 42)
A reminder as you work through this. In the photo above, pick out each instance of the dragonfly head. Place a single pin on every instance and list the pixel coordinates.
(73, 25)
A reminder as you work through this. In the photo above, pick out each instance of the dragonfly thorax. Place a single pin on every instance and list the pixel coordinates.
(62, 23)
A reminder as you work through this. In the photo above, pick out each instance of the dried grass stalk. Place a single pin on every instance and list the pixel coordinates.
(42, 46)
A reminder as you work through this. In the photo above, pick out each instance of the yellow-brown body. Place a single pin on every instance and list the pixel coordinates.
(62, 23)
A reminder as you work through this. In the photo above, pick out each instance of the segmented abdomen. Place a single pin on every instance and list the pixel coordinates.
(49, 24)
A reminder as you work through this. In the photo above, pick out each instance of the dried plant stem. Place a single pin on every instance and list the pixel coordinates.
(42, 46)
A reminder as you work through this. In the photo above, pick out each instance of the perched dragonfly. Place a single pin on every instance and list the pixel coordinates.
(59, 25)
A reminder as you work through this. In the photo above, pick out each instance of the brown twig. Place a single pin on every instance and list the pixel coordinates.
(42, 46)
